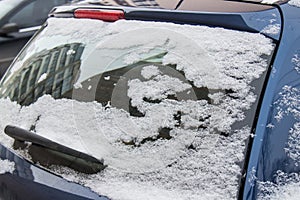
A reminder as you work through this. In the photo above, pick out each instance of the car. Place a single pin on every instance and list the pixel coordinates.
(155, 99)
(19, 19)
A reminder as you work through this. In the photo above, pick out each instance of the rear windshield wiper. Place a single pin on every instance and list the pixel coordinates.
(48, 152)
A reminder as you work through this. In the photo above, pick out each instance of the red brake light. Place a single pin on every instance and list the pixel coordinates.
(105, 15)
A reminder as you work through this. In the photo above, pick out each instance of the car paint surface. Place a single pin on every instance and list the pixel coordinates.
(31, 182)
(268, 151)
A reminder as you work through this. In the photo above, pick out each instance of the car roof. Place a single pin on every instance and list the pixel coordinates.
(165, 4)
(226, 13)
(233, 6)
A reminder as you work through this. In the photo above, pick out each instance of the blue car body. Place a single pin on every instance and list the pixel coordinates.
(271, 135)
(266, 150)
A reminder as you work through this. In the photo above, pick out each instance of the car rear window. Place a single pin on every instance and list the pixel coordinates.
(166, 106)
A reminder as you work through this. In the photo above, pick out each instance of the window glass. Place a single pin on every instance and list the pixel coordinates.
(171, 105)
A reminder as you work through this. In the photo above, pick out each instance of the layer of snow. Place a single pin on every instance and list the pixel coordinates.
(10, 115)
(193, 48)
(77, 85)
(293, 144)
(150, 71)
(188, 178)
(295, 3)
(6, 166)
(296, 62)
(273, 29)
(107, 78)
(156, 89)
(288, 103)
(197, 162)
(286, 186)
(269, 1)
(88, 126)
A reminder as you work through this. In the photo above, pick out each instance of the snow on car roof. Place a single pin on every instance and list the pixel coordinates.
(286, 186)
(269, 1)
(295, 3)
(6, 166)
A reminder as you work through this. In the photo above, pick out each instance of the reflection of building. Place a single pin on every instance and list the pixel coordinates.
(48, 72)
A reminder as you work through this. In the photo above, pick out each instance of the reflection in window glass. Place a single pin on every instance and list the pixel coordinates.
(50, 72)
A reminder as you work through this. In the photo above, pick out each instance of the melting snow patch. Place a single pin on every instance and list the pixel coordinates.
(107, 78)
(150, 71)
(286, 186)
(288, 103)
(252, 178)
(295, 3)
(296, 62)
(293, 145)
(273, 29)
(269, 1)
(6, 166)
(71, 51)
(156, 89)
(77, 85)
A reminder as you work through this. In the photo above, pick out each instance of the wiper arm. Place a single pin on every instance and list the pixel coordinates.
(67, 156)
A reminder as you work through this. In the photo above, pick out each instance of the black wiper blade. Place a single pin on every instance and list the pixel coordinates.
(57, 149)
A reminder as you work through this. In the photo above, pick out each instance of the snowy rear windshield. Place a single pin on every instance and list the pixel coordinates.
(167, 107)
